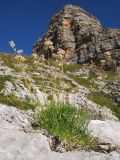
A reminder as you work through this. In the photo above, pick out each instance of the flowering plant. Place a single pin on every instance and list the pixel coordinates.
(12, 45)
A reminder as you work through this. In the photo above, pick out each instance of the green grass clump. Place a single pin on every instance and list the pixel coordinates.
(72, 67)
(92, 74)
(8, 59)
(112, 76)
(105, 100)
(16, 102)
(84, 82)
(3, 79)
(66, 122)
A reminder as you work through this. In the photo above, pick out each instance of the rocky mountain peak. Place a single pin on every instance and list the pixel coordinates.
(79, 33)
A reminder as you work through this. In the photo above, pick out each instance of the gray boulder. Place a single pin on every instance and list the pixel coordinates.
(106, 131)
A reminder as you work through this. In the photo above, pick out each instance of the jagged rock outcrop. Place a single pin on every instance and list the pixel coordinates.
(78, 32)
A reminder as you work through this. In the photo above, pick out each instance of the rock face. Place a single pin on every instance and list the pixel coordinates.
(78, 32)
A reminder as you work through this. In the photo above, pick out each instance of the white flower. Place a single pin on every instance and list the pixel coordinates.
(42, 57)
(51, 47)
(48, 43)
(59, 64)
(102, 61)
(61, 51)
(14, 50)
(99, 78)
(20, 51)
(12, 44)
(54, 55)
(35, 56)
(67, 63)
(20, 58)
(107, 53)
(60, 56)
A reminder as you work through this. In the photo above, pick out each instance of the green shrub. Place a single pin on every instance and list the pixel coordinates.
(66, 122)
(105, 100)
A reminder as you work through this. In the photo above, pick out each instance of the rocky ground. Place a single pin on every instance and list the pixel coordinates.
(27, 86)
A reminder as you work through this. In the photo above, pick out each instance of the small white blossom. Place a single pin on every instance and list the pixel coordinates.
(12, 44)
(48, 43)
(102, 61)
(51, 47)
(59, 64)
(60, 56)
(67, 63)
(20, 51)
(54, 55)
(61, 51)
(107, 53)
(35, 56)
(42, 57)
(19, 58)
(99, 78)
(14, 50)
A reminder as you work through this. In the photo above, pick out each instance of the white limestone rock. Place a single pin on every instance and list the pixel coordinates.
(5, 71)
(13, 118)
(107, 131)
(17, 145)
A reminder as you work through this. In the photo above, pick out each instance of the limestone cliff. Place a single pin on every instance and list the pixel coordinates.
(79, 33)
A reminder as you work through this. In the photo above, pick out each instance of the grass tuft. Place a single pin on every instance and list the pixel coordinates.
(84, 82)
(105, 100)
(3, 79)
(68, 123)
(72, 67)
(16, 102)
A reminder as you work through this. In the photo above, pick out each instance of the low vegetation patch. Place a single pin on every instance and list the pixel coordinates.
(8, 59)
(110, 75)
(3, 79)
(84, 82)
(72, 67)
(16, 102)
(105, 100)
(67, 123)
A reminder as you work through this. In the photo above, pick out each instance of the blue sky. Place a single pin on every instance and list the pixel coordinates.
(24, 21)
